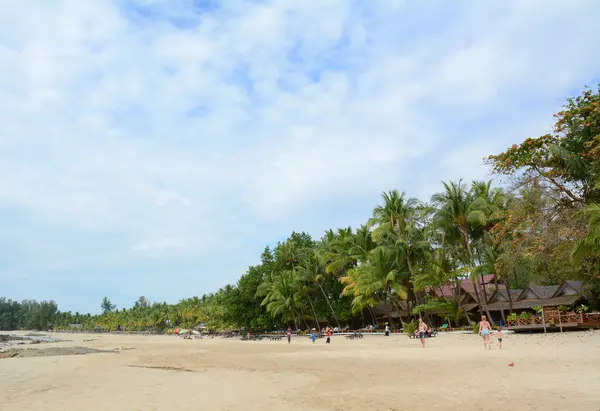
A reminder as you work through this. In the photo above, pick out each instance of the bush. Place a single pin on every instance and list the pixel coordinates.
(410, 327)
(525, 315)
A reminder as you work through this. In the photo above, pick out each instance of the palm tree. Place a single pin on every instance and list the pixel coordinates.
(338, 251)
(396, 223)
(312, 270)
(461, 215)
(376, 282)
(281, 291)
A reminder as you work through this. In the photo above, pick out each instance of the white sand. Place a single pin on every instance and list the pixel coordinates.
(553, 372)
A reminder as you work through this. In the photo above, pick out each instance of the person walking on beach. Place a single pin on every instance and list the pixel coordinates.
(313, 335)
(484, 331)
(289, 335)
(387, 330)
(422, 331)
(328, 336)
(499, 335)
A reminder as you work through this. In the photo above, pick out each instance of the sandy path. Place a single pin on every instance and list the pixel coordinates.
(553, 372)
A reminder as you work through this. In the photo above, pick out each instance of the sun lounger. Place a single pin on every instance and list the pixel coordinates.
(427, 335)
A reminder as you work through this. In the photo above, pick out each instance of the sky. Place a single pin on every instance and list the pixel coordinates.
(155, 147)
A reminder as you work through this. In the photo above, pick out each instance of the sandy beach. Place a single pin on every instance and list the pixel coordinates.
(552, 372)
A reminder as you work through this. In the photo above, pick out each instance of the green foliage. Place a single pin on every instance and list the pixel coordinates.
(525, 315)
(434, 304)
(568, 159)
(410, 327)
(107, 306)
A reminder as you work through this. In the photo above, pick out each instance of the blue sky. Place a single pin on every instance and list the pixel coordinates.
(153, 147)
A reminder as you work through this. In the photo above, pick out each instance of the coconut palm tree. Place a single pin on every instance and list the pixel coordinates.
(338, 251)
(461, 215)
(312, 270)
(376, 282)
(281, 296)
(396, 226)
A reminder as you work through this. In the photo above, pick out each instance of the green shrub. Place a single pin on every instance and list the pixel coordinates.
(525, 315)
(410, 327)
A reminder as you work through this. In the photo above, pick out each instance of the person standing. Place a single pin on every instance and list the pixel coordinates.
(313, 335)
(289, 335)
(484, 331)
(387, 330)
(499, 335)
(422, 331)
(328, 336)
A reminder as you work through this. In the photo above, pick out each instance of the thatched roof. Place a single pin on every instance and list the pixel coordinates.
(567, 294)
(470, 306)
(538, 292)
(466, 286)
(570, 287)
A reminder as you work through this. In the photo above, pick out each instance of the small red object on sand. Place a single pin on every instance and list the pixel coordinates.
(511, 364)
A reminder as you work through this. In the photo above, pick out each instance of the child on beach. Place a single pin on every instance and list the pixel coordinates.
(499, 335)
(313, 336)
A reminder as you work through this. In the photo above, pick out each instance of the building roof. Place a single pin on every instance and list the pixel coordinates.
(447, 291)
(542, 292)
(567, 300)
(570, 287)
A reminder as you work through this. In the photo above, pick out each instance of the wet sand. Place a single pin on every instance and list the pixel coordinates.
(552, 372)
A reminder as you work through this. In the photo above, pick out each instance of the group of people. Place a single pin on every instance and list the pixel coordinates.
(485, 330)
(313, 335)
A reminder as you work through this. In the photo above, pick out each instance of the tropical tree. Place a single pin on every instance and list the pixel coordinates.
(107, 306)
(377, 282)
(462, 215)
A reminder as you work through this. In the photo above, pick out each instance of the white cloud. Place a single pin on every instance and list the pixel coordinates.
(297, 106)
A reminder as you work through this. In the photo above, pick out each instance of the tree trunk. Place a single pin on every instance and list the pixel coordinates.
(372, 315)
(482, 302)
(304, 319)
(457, 289)
(510, 301)
(413, 276)
(313, 311)
(330, 306)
